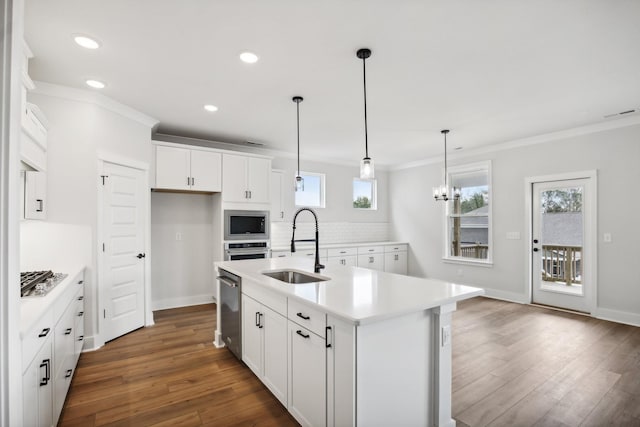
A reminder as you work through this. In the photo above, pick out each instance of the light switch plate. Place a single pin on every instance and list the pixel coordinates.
(607, 237)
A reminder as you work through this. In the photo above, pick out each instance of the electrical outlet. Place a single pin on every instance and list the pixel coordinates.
(446, 335)
(178, 237)
(607, 237)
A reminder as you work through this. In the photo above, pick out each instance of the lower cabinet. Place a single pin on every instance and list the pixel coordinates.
(37, 388)
(395, 259)
(56, 341)
(264, 345)
(307, 376)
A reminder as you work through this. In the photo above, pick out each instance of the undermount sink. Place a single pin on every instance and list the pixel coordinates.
(294, 277)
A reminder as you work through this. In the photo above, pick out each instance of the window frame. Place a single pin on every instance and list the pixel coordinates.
(323, 187)
(374, 193)
(484, 166)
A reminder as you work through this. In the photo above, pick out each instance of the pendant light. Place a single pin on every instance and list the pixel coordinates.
(443, 192)
(366, 164)
(299, 185)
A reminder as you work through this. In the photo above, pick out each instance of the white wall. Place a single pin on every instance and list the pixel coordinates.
(615, 154)
(80, 129)
(182, 270)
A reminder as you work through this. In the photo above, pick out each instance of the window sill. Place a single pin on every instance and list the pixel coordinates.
(469, 261)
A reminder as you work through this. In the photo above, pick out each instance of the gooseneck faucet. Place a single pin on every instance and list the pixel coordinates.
(317, 266)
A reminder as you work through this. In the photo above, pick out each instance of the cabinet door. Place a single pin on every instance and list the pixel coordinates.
(395, 262)
(252, 334)
(277, 196)
(234, 178)
(348, 260)
(372, 261)
(275, 353)
(37, 390)
(258, 178)
(173, 168)
(35, 195)
(206, 171)
(307, 376)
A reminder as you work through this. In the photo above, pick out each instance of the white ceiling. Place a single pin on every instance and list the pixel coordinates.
(492, 71)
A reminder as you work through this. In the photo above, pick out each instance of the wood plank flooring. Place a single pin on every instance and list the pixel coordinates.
(513, 365)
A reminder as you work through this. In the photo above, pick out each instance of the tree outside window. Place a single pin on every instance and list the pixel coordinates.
(364, 193)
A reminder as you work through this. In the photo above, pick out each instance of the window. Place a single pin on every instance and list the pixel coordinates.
(364, 193)
(312, 194)
(468, 223)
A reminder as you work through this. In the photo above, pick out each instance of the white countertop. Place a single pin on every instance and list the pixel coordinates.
(337, 245)
(33, 308)
(358, 295)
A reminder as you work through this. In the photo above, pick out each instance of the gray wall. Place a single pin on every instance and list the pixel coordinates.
(615, 154)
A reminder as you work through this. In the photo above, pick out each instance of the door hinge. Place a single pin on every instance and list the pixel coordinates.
(103, 178)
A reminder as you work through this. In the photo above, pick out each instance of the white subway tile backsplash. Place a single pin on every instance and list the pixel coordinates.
(330, 232)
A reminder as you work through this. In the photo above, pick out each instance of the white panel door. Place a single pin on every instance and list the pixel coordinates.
(277, 196)
(275, 333)
(252, 334)
(562, 216)
(258, 177)
(124, 250)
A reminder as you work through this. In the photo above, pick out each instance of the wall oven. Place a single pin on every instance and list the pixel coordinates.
(246, 250)
(246, 225)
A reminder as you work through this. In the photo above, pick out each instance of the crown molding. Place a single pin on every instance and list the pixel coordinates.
(533, 140)
(90, 97)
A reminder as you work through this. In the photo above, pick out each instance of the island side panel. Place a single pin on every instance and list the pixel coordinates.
(395, 371)
(442, 365)
(217, 340)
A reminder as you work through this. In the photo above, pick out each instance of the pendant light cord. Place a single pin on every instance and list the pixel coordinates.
(445, 161)
(364, 79)
(298, 129)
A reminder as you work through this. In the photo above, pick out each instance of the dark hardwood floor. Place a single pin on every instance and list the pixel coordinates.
(513, 365)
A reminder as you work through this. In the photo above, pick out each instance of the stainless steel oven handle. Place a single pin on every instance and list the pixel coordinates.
(227, 281)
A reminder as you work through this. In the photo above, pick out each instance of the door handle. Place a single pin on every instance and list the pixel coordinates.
(535, 249)
(535, 240)
(140, 256)
(227, 282)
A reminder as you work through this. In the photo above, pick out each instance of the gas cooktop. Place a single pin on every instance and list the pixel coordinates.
(39, 283)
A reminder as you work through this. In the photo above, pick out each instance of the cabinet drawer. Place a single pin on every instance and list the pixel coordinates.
(280, 254)
(33, 340)
(395, 248)
(309, 253)
(309, 317)
(370, 250)
(341, 252)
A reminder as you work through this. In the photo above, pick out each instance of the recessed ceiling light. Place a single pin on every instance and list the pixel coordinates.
(96, 84)
(248, 57)
(86, 41)
(211, 108)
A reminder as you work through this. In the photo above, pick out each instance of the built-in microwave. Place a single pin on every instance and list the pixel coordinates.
(246, 225)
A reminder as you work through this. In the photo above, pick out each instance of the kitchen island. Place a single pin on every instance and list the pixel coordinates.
(352, 346)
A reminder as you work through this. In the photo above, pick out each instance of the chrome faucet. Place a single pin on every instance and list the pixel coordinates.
(317, 266)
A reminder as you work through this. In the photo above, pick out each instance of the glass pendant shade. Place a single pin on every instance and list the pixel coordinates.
(299, 183)
(366, 168)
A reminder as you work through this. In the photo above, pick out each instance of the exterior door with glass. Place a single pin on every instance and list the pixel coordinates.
(562, 242)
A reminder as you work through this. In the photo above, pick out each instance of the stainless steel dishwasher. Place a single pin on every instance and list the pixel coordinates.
(230, 288)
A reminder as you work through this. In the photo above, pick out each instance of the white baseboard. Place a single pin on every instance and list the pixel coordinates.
(625, 317)
(181, 302)
(505, 295)
(89, 344)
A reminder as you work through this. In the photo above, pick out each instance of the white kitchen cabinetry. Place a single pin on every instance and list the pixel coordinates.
(50, 351)
(33, 138)
(342, 256)
(37, 378)
(310, 253)
(280, 254)
(395, 259)
(245, 179)
(371, 257)
(264, 345)
(341, 373)
(307, 375)
(35, 194)
(277, 196)
(188, 169)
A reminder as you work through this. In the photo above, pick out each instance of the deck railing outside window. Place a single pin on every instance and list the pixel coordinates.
(562, 264)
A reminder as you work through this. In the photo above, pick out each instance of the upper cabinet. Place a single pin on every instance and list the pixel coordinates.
(35, 195)
(188, 169)
(245, 179)
(277, 196)
(33, 138)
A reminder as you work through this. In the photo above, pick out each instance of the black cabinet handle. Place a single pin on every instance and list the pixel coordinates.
(302, 316)
(80, 298)
(68, 374)
(140, 256)
(68, 331)
(299, 332)
(80, 313)
(327, 332)
(257, 319)
(46, 364)
(40, 208)
(81, 337)
(260, 325)
(44, 332)
(80, 282)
